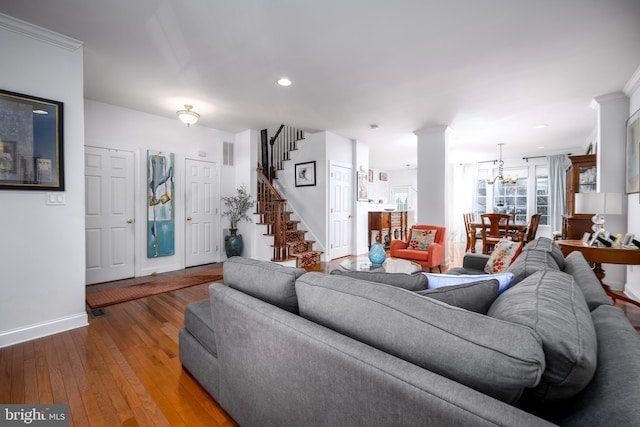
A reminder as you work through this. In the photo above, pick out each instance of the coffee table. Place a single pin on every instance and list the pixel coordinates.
(391, 265)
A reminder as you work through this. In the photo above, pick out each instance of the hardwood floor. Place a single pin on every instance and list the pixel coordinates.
(124, 369)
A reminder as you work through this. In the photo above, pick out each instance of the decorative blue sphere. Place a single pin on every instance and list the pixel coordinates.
(377, 254)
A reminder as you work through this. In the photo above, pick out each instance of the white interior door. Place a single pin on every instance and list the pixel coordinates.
(341, 210)
(201, 213)
(109, 228)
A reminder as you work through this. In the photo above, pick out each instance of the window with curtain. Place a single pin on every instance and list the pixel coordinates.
(504, 198)
(481, 194)
(542, 194)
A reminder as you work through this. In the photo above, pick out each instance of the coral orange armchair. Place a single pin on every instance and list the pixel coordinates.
(417, 247)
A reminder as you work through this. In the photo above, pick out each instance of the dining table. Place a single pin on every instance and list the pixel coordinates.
(515, 229)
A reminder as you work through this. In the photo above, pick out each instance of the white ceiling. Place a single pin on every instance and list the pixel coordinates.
(491, 70)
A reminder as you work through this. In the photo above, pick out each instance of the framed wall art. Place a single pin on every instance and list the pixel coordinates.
(31, 143)
(363, 183)
(305, 174)
(161, 204)
(633, 146)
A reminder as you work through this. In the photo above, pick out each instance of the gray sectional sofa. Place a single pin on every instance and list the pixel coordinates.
(277, 346)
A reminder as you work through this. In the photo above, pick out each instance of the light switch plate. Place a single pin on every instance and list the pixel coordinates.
(55, 199)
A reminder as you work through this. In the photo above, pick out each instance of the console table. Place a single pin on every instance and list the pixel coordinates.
(603, 255)
(393, 224)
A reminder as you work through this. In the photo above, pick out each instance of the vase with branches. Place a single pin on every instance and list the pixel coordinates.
(237, 208)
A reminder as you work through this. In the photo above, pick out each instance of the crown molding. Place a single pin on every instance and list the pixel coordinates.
(633, 84)
(38, 33)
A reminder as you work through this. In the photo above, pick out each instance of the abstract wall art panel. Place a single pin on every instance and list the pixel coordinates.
(161, 204)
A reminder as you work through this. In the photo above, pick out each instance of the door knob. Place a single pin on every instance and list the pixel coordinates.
(188, 218)
(129, 221)
(350, 216)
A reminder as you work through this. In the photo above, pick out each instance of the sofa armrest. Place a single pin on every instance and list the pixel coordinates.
(475, 261)
(398, 244)
(436, 253)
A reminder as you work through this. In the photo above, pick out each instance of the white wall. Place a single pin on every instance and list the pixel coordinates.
(111, 126)
(632, 90)
(42, 255)
(361, 214)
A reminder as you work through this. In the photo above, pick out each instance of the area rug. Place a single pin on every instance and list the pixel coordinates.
(127, 293)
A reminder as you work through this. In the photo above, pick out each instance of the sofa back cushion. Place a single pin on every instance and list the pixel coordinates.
(545, 244)
(498, 358)
(551, 303)
(268, 281)
(411, 282)
(530, 262)
(577, 266)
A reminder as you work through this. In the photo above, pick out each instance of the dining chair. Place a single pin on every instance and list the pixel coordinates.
(469, 218)
(495, 227)
(532, 228)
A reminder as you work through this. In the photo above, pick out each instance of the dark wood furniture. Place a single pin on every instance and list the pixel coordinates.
(515, 230)
(389, 225)
(495, 229)
(581, 178)
(603, 255)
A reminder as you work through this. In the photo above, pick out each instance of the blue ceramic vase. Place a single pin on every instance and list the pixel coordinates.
(233, 244)
(377, 254)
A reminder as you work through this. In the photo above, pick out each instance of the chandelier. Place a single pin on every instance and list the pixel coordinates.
(505, 179)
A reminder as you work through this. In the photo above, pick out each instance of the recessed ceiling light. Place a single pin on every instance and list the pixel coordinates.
(374, 127)
(541, 147)
(284, 82)
(542, 126)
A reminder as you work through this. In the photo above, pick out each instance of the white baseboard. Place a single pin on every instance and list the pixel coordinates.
(39, 330)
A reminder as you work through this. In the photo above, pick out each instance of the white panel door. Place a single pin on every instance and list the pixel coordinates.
(341, 211)
(109, 228)
(201, 213)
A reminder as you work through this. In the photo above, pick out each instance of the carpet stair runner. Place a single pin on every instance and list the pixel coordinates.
(289, 241)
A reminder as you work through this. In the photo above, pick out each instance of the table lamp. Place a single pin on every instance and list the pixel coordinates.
(600, 203)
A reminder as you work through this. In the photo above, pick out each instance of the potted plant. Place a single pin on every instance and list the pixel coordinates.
(237, 207)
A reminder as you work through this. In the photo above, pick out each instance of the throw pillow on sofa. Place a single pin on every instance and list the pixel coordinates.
(473, 296)
(503, 255)
(411, 282)
(506, 357)
(438, 280)
(551, 303)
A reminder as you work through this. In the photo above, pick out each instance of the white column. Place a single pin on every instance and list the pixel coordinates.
(613, 111)
(433, 179)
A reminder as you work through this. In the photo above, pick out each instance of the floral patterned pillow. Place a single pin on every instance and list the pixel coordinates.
(502, 256)
(421, 239)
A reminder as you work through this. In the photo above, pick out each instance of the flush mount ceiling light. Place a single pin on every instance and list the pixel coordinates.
(284, 82)
(187, 116)
(501, 176)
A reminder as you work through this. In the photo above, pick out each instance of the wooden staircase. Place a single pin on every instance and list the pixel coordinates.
(289, 242)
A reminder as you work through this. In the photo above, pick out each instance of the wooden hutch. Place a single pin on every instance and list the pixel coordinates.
(389, 225)
(581, 178)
